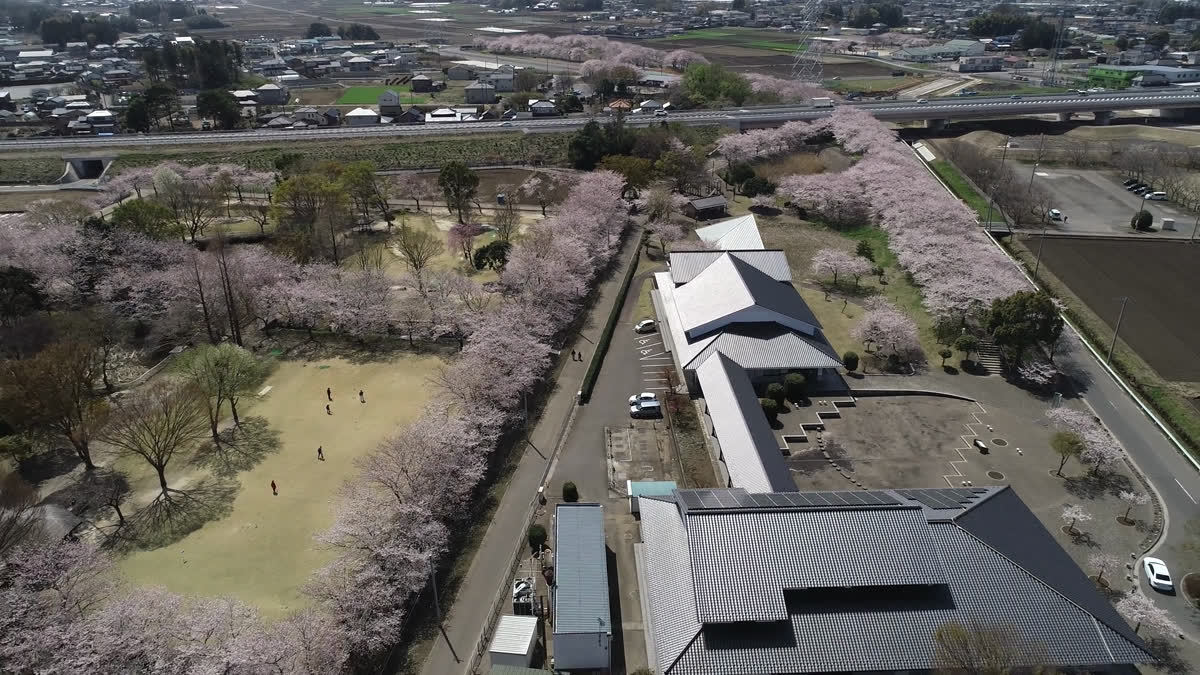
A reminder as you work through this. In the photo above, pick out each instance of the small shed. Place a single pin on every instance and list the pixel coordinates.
(706, 207)
(514, 641)
(647, 488)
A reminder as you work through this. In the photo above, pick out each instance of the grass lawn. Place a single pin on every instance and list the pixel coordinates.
(1022, 89)
(370, 95)
(959, 185)
(263, 551)
(644, 309)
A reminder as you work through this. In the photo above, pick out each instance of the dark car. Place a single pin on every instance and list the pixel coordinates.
(1128, 181)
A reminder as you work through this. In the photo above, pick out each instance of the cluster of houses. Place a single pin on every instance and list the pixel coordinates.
(69, 114)
(103, 66)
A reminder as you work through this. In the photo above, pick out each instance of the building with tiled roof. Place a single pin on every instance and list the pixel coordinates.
(789, 583)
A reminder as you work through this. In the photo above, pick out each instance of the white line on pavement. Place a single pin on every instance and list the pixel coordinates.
(1185, 491)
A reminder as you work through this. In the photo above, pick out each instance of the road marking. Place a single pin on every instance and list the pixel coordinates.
(1185, 491)
(655, 379)
(1111, 403)
(656, 358)
(658, 388)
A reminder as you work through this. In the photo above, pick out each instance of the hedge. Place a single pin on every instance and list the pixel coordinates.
(593, 371)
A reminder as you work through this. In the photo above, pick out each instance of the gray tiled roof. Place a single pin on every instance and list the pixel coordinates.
(733, 291)
(1060, 619)
(581, 570)
(708, 202)
(771, 346)
(743, 561)
(685, 265)
(749, 448)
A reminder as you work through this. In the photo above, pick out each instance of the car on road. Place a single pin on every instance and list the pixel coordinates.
(646, 409)
(645, 326)
(922, 100)
(980, 445)
(1055, 214)
(1015, 97)
(643, 397)
(660, 113)
(1157, 574)
(1157, 196)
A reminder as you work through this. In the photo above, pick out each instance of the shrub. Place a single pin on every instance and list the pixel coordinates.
(864, 250)
(1142, 220)
(850, 360)
(770, 409)
(777, 393)
(537, 536)
(967, 344)
(570, 492)
(795, 384)
(945, 354)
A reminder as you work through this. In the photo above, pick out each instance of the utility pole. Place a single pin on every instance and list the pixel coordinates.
(1041, 245)
(987, 221)
(1037, 162)
(1194, 228)
(1120, 317)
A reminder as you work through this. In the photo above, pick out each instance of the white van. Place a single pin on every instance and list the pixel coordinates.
(1157, 196)
(646, 409)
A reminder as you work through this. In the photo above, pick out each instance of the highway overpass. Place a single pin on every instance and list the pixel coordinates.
(935, 112)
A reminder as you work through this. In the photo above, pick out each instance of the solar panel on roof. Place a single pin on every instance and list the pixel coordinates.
(852, 498)
(709, 500)
(690, 499)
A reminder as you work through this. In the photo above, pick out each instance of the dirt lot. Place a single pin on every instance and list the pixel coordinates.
(1158, 277)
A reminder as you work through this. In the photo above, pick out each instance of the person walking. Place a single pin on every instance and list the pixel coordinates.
(327, 410)
(274, 490)
(320, 453)
(329, 393)
(361, 397)
(572, 354)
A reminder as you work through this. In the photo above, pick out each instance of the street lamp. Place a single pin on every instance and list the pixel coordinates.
(1041, 245)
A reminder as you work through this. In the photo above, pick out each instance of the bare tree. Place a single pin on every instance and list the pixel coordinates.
(52, 391)
(154, 424)
(508, 215)
(978, 648)
(260, 214)
(19, 521)
(418, 248)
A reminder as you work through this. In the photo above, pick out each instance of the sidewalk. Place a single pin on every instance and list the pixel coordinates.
(465, 621)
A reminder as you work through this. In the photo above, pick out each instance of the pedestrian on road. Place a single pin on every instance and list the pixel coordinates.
(274, 490)
(327, 410)
(320, 453)
(572, 354)
(581, 357)
(329, 393)
(361, 397)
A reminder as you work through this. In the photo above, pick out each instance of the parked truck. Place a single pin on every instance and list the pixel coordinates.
(822, 103)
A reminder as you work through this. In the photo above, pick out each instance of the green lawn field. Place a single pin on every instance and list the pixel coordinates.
(370, 95)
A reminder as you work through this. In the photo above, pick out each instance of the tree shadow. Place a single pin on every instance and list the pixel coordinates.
(166, 520)
(298, 345)
(1096, 484)
(1167, 657)
(950, 370)
(242, 447)
(52, 463)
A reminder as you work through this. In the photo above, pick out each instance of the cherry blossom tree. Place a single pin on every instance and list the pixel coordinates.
(1131, 500)
(1073, 514)
(56, 213)
(541, 187)
(461, 238)
(888, 328)
(1142, 611)
(834, 261)
(1100, 448)
(131, 181)
(680, 59)
(1104, 562)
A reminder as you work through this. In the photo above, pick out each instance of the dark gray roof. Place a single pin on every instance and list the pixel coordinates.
(771, 346)
(685, 265)
(1000, 567)
(731, 291)
(708, 202)
(744, 580)
(581, 570)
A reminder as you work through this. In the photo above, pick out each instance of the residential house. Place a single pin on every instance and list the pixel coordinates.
(979, 64)
(359, 64)
(740, 582)
(1015, 62)
(503, 78)
(309, 115)
(360, 117)
(333, 117)
(460, 72)
(948, 51)
(389, 104)
(480, 92)
(102, 121)
(271, 94)
(411, 116)
(421, 84)
(442, 115)
(543, 108)
(6, 101)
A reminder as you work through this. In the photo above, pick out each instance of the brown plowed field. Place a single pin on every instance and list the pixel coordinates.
(1162, 319)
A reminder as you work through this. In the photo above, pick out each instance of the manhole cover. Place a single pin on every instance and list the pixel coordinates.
(995, 475)
(999, 441)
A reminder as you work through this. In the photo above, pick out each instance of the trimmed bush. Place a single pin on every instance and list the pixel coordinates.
(795, 383)
(945, 354)
(1142, 220)
(850, 360)
(536, 536)
(570, 492)
(777, 393)
(770, 409)
(967, 344)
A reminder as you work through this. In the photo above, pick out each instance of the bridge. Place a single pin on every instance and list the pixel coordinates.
(935, 112)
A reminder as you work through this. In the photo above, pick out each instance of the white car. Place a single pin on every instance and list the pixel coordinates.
(922, 100)
(1157, 575)
(642, 397)
(1157, 196)
(1055, 214)
(645, 326)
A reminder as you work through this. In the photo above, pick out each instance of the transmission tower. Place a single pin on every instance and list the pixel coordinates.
(807, 65)
(1050, 73)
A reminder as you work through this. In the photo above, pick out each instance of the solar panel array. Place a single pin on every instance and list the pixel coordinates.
(737, 498)
(944, 498)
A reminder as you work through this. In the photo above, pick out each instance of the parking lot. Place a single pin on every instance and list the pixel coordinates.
(1095, 202)
(654, 364)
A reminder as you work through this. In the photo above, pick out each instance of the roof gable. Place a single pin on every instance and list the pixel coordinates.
(732, 291)
(686, 265)
(735, 233)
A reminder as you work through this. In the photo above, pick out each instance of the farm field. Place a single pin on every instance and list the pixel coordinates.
(1161, 319)
(263, 551)
(370, 95)
(874, 85)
